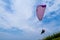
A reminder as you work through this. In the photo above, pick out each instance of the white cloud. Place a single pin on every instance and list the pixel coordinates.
(22, 18)
(24, 10)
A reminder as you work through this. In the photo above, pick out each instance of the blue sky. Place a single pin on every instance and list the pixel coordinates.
(18, 20)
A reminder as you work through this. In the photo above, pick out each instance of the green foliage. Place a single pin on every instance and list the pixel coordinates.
(56, 38)
(52, 36)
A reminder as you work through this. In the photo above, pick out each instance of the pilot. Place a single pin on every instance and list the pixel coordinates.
(43, 31)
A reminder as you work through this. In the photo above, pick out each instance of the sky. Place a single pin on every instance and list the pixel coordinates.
(18, 20)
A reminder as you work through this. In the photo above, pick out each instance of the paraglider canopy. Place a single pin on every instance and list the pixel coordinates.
(40, 11)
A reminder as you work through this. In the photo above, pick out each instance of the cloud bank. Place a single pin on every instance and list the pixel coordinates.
(18, 20)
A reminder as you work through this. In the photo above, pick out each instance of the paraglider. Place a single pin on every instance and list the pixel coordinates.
(40, 12)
